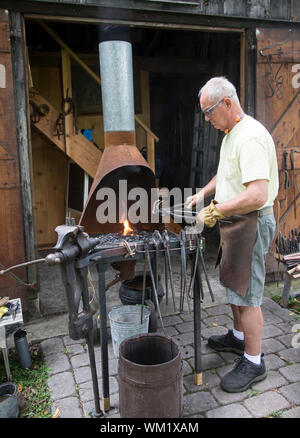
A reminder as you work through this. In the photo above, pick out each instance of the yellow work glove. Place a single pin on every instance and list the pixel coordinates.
(209, 215)
(3, 311)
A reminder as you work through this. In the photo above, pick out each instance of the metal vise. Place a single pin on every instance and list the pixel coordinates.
(72, 248)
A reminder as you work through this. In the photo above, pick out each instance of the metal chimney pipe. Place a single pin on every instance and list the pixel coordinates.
(121, 159)
(117, 86)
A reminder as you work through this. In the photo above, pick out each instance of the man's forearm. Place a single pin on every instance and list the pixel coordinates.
(253, 198)
(210, 187)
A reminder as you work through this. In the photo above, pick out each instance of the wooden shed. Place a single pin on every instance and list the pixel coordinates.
(51, 135)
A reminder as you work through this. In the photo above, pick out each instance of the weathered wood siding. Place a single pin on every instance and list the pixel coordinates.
(285, 10)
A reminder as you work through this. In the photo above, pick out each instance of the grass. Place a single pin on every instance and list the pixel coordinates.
(293, 303)
(34, 394)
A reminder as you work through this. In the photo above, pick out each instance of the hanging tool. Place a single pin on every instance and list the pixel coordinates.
(156, 240)
(294, 151)
(166, 278)
(200, 249)
(147, 252)
(165, 240)
(144, 287)
(193, 274)
(68, 106)
(286, 173)
(183, 270)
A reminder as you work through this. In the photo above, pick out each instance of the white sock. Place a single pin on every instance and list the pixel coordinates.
(238, 335)
(254, 359)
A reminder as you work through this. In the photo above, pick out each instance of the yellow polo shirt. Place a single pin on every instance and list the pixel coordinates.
(247, 154)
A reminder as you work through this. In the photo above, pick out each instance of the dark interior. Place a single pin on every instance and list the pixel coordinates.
(149, 349)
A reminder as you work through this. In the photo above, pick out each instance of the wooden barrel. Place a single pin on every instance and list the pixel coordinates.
(150, 377)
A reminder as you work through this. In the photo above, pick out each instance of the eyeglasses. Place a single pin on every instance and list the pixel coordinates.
(208, 112)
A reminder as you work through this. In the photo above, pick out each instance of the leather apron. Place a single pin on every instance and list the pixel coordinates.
(237, 239)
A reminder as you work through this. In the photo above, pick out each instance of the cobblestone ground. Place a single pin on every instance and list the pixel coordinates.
(278, 395)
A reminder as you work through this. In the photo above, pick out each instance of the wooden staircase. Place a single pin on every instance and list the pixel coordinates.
(77, 146)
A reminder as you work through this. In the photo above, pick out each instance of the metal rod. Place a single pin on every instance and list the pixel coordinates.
(171, 277)
(197, 287)
(101, 268)
(144, 288)
(154, 288)
(32, 262)
(166, 279)
(206, 276)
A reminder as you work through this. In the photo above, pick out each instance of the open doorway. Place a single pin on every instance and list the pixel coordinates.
(170, 66)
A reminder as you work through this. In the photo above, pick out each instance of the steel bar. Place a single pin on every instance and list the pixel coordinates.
(205, 272)
(83, 273)
(171, 276)
(101, 268)
(144, 288)
(197, 288)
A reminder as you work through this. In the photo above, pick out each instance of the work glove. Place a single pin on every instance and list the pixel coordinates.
(3, 311)
(209, 215)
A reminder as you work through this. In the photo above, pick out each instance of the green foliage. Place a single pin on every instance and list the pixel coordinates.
(34, 394)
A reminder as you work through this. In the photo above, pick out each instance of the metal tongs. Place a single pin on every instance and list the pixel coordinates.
(166, 243)
(147, 259)
(176, 211)
(199, 259)
(179, 211)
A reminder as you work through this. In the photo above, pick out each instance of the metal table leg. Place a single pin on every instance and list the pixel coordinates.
(284, 300)
(4, 348)
(197, 324)
(101, 268)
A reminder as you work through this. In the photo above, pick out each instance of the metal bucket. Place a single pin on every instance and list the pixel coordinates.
(9, 407)
(150, 377)
(125, 321)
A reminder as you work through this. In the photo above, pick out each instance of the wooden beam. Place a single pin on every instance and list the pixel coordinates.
(67, 48)
(151, 152)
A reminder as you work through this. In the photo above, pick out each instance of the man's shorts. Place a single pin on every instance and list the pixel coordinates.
(266, 227)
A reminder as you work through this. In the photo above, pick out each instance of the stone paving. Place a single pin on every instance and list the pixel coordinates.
(277, 396)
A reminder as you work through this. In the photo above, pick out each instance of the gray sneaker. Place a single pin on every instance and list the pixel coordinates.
(226, 342)
(243, 375)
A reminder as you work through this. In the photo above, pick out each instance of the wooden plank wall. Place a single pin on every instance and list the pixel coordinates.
(278, 103)
(50, 172)
(11, 225)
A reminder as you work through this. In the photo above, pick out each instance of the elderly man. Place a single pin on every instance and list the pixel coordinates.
(245, 187)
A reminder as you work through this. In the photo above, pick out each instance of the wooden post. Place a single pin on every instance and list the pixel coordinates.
(242, 69)
(250, 100)
(23, 140)
(151, 151)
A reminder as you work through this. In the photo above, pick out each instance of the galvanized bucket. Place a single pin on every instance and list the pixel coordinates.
(125, 321)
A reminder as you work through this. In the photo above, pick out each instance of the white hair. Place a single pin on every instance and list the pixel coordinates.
(219, 87)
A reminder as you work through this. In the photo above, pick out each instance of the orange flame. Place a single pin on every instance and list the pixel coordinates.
(126, 226)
